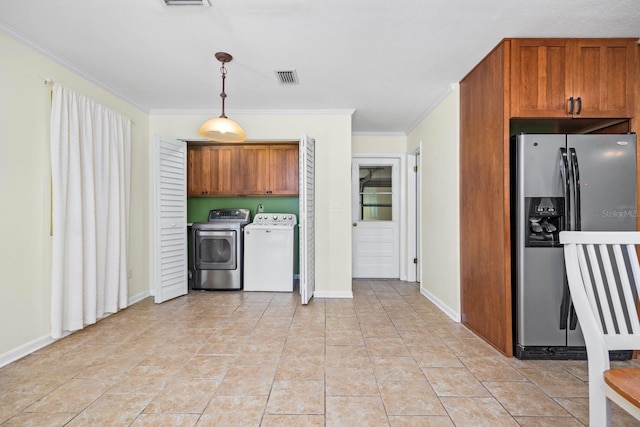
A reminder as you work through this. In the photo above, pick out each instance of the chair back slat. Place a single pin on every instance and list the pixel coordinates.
(586, 277)
(602, 304)
(613, 298)
(627, 297)
(632, 255)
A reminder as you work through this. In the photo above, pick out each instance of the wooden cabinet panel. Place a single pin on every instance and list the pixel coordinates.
(484, 211)
(540, 79)
(604, 77)
(210, 170)
(270, 169)
(284, 169)
(580, 78)
(223, 163)
(197, 171)
(254, 168)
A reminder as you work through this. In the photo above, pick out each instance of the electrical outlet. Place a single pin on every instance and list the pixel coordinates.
(336, 207)
(130, 273)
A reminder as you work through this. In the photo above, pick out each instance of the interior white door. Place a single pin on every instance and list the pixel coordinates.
(376, 216)
(170, 218)
(306, 218)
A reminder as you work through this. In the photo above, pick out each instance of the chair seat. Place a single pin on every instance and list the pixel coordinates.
(625, 382)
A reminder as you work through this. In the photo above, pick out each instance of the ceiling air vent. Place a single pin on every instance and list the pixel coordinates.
(287, 77)
(187, 3)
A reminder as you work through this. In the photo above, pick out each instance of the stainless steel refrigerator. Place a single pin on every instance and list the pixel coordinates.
(562, 182)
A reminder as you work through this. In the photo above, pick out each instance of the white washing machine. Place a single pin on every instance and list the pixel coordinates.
(268, 253)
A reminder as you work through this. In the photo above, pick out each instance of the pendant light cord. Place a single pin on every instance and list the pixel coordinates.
(223, 95)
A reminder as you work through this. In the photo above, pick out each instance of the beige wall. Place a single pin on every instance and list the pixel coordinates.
(25, 243)
(438, 134)
(378, 144)
(332, 133)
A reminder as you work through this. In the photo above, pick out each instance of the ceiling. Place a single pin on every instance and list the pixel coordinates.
(390, 61)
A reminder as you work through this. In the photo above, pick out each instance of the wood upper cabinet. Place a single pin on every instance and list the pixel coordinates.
(211, 170)
(540, 77)
(269, 169)
(254, 168)
(605, 77)
(247, 169)
(283, 174)
(581, 78)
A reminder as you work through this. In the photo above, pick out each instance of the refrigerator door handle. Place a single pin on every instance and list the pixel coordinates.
(575, 169)
(573, 323)
(565, 305)
(566, 193)
(566, 187)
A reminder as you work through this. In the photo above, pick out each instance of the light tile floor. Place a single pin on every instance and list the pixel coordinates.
(388, 357)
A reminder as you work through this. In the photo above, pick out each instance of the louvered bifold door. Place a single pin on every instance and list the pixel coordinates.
(306, 221)
(170, 219)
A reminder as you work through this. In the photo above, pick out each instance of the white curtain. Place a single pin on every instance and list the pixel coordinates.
(90, 164)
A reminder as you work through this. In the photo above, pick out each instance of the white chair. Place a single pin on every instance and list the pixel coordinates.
(604, 275)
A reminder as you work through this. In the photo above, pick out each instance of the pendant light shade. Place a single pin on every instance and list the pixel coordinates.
(222, 129)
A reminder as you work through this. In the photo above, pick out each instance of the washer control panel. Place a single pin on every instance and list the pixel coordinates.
(275, 219)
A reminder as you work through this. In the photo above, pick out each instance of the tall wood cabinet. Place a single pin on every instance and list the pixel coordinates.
(524, 81)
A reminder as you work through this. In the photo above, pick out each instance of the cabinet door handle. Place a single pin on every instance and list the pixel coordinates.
(579, 110)
(571, 105)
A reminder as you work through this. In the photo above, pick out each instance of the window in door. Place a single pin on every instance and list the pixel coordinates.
(375, 193)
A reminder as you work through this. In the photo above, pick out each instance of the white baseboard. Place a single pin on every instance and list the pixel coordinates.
(25, 349)
(443, 307)
(38, 343)
(321, 294)
(137, 298)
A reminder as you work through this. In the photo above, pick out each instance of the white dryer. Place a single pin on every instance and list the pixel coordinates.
(268, 253)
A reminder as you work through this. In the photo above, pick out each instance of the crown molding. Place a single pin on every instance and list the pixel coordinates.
(186, 111)
(439, 99)
(378, 134)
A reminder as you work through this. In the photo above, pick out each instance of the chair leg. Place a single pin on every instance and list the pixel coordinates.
(599, 405)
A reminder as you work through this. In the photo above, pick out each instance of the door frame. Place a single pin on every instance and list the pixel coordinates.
(414, 169)
(402, 196)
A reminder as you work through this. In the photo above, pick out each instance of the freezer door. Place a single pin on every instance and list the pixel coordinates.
(539, 270)
(538, 165)
(540, 297)
(607, 181)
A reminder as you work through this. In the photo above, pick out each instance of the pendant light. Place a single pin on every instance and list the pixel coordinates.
(222, 129)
